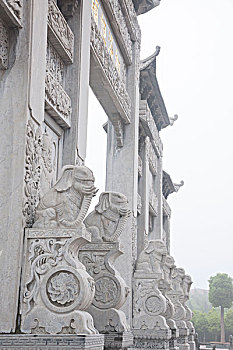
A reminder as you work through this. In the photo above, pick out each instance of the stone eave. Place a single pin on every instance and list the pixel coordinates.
(169, 186)
(143, 6)
(150, 91)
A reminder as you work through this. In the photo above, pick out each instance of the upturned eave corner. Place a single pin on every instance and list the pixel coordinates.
(150, 91)
(169, 186)
(143, 6)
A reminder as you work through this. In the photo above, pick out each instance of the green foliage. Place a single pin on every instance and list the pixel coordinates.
(221, 290)
(229, 323)
(198, 300)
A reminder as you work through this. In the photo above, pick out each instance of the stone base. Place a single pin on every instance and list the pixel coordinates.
(51, 342)
(150, 343)
(118, 340)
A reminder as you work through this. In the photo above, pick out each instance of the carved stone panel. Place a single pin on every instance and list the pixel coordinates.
(4, 45)
(12, 11)
(57, 101)
(59, 32)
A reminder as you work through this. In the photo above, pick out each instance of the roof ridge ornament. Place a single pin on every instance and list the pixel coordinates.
(173, 119)
(147, 61)
(178, 186)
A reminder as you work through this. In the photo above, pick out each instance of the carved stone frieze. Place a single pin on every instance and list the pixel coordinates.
(4, 45)
(149, 127)
(110, 70)
(151, 157)
(57, 102)
(114, 9)
(54, 63)
(12, 12)
(59, 32)
(131, 19)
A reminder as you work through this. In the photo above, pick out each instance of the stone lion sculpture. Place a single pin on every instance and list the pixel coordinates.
(151, 258)
(67, 202)
(109, 218)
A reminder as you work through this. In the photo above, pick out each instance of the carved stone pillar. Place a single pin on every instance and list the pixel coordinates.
(56, 288)
(187, 282)
(180, 313)
(165, 286)
(106, 223)
(149, 305)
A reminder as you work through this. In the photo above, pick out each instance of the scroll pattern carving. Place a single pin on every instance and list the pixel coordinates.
(4, 45)
(62, 34)
(109, 68)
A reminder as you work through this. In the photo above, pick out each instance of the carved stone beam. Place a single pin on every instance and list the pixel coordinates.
(11, 11)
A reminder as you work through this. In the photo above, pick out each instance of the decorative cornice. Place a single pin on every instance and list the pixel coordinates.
(149, 89)
(168, 185)
(11, 12)
(143, 6)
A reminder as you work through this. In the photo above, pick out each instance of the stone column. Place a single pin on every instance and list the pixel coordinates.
(149, 305)
(18, 70)
(122, 176)
(180, 313)
(106, 223)
(165, 286)
(187, 282)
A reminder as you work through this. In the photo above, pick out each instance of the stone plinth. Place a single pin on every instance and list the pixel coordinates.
(56, 289)
(51, 342)
(110, 293)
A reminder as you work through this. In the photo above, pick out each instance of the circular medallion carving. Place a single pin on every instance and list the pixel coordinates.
(107, 292)
(62, 288)
(154, 305)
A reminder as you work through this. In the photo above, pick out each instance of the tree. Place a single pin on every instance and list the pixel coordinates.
(221, 294)
(201, 324)
(229, 323)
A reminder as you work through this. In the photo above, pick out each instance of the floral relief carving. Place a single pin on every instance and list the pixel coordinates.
(106, 291)
(4, 45)
(32, 172)
(54, 63)
(63, 288)
(111, 72)
(62, 36)
(58, 99)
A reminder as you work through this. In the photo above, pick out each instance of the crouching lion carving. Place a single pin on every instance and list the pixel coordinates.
(109, 218)
(67, 202)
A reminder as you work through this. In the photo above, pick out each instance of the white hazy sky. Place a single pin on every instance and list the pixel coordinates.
(195, 74)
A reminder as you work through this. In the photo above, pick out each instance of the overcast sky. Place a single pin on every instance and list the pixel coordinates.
(195, 74)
